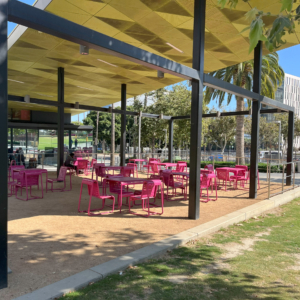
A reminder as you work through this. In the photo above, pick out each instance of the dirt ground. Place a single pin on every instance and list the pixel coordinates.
(49, 240)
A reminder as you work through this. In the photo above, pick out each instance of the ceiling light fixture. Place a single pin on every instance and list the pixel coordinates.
(107, 63)
(15, 81)
(84, 50)
(84, 88)
(174, 47)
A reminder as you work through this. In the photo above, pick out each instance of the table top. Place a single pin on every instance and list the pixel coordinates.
(233, 170)
(137, 159)
(167, 164)
(127, 179)
(31, 170)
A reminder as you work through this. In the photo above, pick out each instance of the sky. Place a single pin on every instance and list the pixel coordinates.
(288, 60)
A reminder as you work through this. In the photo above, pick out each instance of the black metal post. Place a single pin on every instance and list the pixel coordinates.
(26, 139)
(171, 129)
(70, 141)
(3, 139)
(123, 125)
(11, 138)
(291, 123)
(60, 112)
(196, 110)
(256, 106)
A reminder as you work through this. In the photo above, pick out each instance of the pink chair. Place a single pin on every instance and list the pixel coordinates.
(101, 172)
(244, 179)
(95, 168)
(135, 168)
(181, 167)
(210, 168)
(12, 187)
(223, 175)
(61, 178)
(206, 183)
(116, 188)
(148, 192)
(82, 165)
(28, 180)
(153, 168)
(91, 164)
(169, 181)
(14, 175)
(93, 191)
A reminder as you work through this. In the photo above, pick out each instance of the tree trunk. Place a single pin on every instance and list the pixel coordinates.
(239, 139)
(112, 157)
(145, 101)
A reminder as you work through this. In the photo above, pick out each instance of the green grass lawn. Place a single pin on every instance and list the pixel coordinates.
(257, 259)
(48, 141)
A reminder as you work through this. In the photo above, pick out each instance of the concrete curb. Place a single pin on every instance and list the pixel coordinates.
(99, 272)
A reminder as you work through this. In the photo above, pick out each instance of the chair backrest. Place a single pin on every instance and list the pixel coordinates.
(209, 168)
(62, 173)
(114, 187)
(222, 174)
(150, 188)
(152, 159)
(167, 177)
(102, 172)
(94, 160)
(180, 166)
(155, 168)
(13, 163)
(14, 175)
(205, 182)
(82, 164)
(242, 173)
(93, 188)
(242, 167)
(132, 165)
(127, 171)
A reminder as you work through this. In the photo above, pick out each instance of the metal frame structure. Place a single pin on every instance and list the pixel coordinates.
(46, 22)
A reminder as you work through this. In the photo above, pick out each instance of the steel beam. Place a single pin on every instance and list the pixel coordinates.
(196, 109)
(289, 169)
(123, 125)
(40, 20)
(230, 88)
(256, 106)
(3, 142)
(171, 133)
(61, 121)
(70, 139)
(276, 104)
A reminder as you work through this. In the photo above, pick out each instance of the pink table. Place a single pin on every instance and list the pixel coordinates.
(124, 181)
(167, 165)
(235, 171)
(138, 160)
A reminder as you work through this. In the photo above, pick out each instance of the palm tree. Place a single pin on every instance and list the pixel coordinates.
(272, 76)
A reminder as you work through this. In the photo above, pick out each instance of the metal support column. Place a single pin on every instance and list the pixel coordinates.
(256, 106)
(60, 112)
(140, 129)
(11, 138)
(289, 168)
(196, 110)
(26, 139)
(123, 125)
(3, 139)
(70, 141)
(171, 130)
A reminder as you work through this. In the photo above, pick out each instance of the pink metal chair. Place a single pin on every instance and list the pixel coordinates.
(15, 175)
(91, 164)
(206, 183)
(210, 168)
(153, 168)
(148, 192)
(244, 179)
(28, 180)
(169, 181)
(93, 191)
(12, 187)
(223, 175)
(96, 166)
(181, 167)
(135, 168)
(82, 165)
(61, 178)
(115, 188)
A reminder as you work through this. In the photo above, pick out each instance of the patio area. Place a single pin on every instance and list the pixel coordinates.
(49, 240)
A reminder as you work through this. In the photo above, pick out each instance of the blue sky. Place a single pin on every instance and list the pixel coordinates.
(288, 59)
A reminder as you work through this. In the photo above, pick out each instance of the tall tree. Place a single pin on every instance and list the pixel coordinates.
(242, 75)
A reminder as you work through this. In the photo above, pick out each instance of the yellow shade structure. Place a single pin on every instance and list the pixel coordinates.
(163, 27)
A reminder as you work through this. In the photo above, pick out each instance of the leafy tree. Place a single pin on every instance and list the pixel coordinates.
(273, 37)
(242, 75)
(221, 131)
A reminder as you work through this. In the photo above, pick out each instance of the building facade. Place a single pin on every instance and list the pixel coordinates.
(289, 93)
